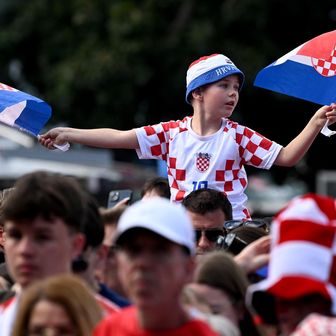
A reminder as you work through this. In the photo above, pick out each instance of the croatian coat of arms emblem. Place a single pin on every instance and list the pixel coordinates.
(203, 161)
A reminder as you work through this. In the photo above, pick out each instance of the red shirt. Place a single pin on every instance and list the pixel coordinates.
(125, 323)
(107, 306)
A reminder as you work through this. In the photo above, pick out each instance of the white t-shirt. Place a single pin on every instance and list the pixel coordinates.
(215, 161)
(8, 311)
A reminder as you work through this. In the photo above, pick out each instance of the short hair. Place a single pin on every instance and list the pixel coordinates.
(218, 269)
(67, 290)
(4, 193)
(204, 200)
(93, 224)
(159, 184)
(243, 236)
(48, 195)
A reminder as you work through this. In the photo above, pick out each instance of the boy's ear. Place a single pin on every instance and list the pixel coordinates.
(197, 94)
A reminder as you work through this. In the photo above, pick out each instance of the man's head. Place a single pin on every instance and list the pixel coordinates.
(210, 69)
(107, 268)
(3, 195)
(155, 248)
(301, 273)
(43, 218)
(208, 209)
(157, 186)
(93, 230)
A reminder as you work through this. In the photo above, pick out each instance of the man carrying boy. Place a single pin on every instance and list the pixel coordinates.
(207, 149)
(208, 209)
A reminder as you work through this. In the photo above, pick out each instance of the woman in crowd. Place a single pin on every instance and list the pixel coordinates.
(61, 305)
(222, 284)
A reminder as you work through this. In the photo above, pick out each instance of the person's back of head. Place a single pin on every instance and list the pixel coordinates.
(206, 200)
(237, 239)
(48, 195)
(93, 230)
(157, 186)
(218, 269)
(93, 224)
(69, 294)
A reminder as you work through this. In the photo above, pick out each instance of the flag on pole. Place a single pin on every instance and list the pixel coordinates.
(307, 72)
(23, 111)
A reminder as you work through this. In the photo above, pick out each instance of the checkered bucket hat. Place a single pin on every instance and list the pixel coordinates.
(210, 69)
(303, 255)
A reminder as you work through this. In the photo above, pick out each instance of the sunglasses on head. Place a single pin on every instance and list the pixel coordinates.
(233, 224)
(210, 234)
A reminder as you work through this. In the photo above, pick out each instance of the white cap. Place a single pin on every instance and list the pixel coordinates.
(162, 217)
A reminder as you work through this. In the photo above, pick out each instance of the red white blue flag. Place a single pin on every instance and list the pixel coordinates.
(23, 111)
(307, 72)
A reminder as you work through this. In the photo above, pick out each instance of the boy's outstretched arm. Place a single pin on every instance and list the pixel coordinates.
(99, 137)
(297, 148)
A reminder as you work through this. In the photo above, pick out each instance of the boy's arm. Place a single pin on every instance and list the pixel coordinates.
(99, 137)
(297, 148)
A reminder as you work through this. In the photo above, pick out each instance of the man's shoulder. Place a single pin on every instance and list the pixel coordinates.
(108, 306)
(179, 125)
(117, 323)
(125, 323)
(197, 327)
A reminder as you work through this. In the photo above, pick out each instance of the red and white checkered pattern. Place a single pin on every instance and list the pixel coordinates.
(229, 149)
(326, 67)
(316, 325)
(303, 251)
(203, 161)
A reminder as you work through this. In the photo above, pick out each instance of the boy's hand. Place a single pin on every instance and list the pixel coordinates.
(56, 136)
(325, 114)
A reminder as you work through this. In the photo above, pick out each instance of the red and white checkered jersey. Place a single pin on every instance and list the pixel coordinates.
(316, 325)
(215, 161)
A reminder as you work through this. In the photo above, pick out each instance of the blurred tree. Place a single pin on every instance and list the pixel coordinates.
(122, 63)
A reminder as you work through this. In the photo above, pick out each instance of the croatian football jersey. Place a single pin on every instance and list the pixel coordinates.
(215, 161)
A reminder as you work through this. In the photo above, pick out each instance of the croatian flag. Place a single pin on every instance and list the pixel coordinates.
(23, 111)
(307, 72)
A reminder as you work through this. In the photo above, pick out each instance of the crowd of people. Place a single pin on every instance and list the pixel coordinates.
(154, 267)
(185, 259)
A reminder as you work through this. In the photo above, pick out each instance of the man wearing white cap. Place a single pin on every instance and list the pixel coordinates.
(155, 253)
(299, 293)
(206, 150)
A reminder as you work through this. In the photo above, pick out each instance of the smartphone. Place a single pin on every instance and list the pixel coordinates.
(116, 196)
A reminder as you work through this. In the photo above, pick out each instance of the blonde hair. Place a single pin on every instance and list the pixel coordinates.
(71, 293)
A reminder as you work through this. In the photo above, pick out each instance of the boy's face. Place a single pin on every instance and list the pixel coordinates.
(39, 248)
(221, 98)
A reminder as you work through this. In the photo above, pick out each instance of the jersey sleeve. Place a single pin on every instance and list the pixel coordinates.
(154, 141)
(255, 149)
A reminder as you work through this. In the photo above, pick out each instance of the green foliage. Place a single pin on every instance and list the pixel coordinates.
(122, 63)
